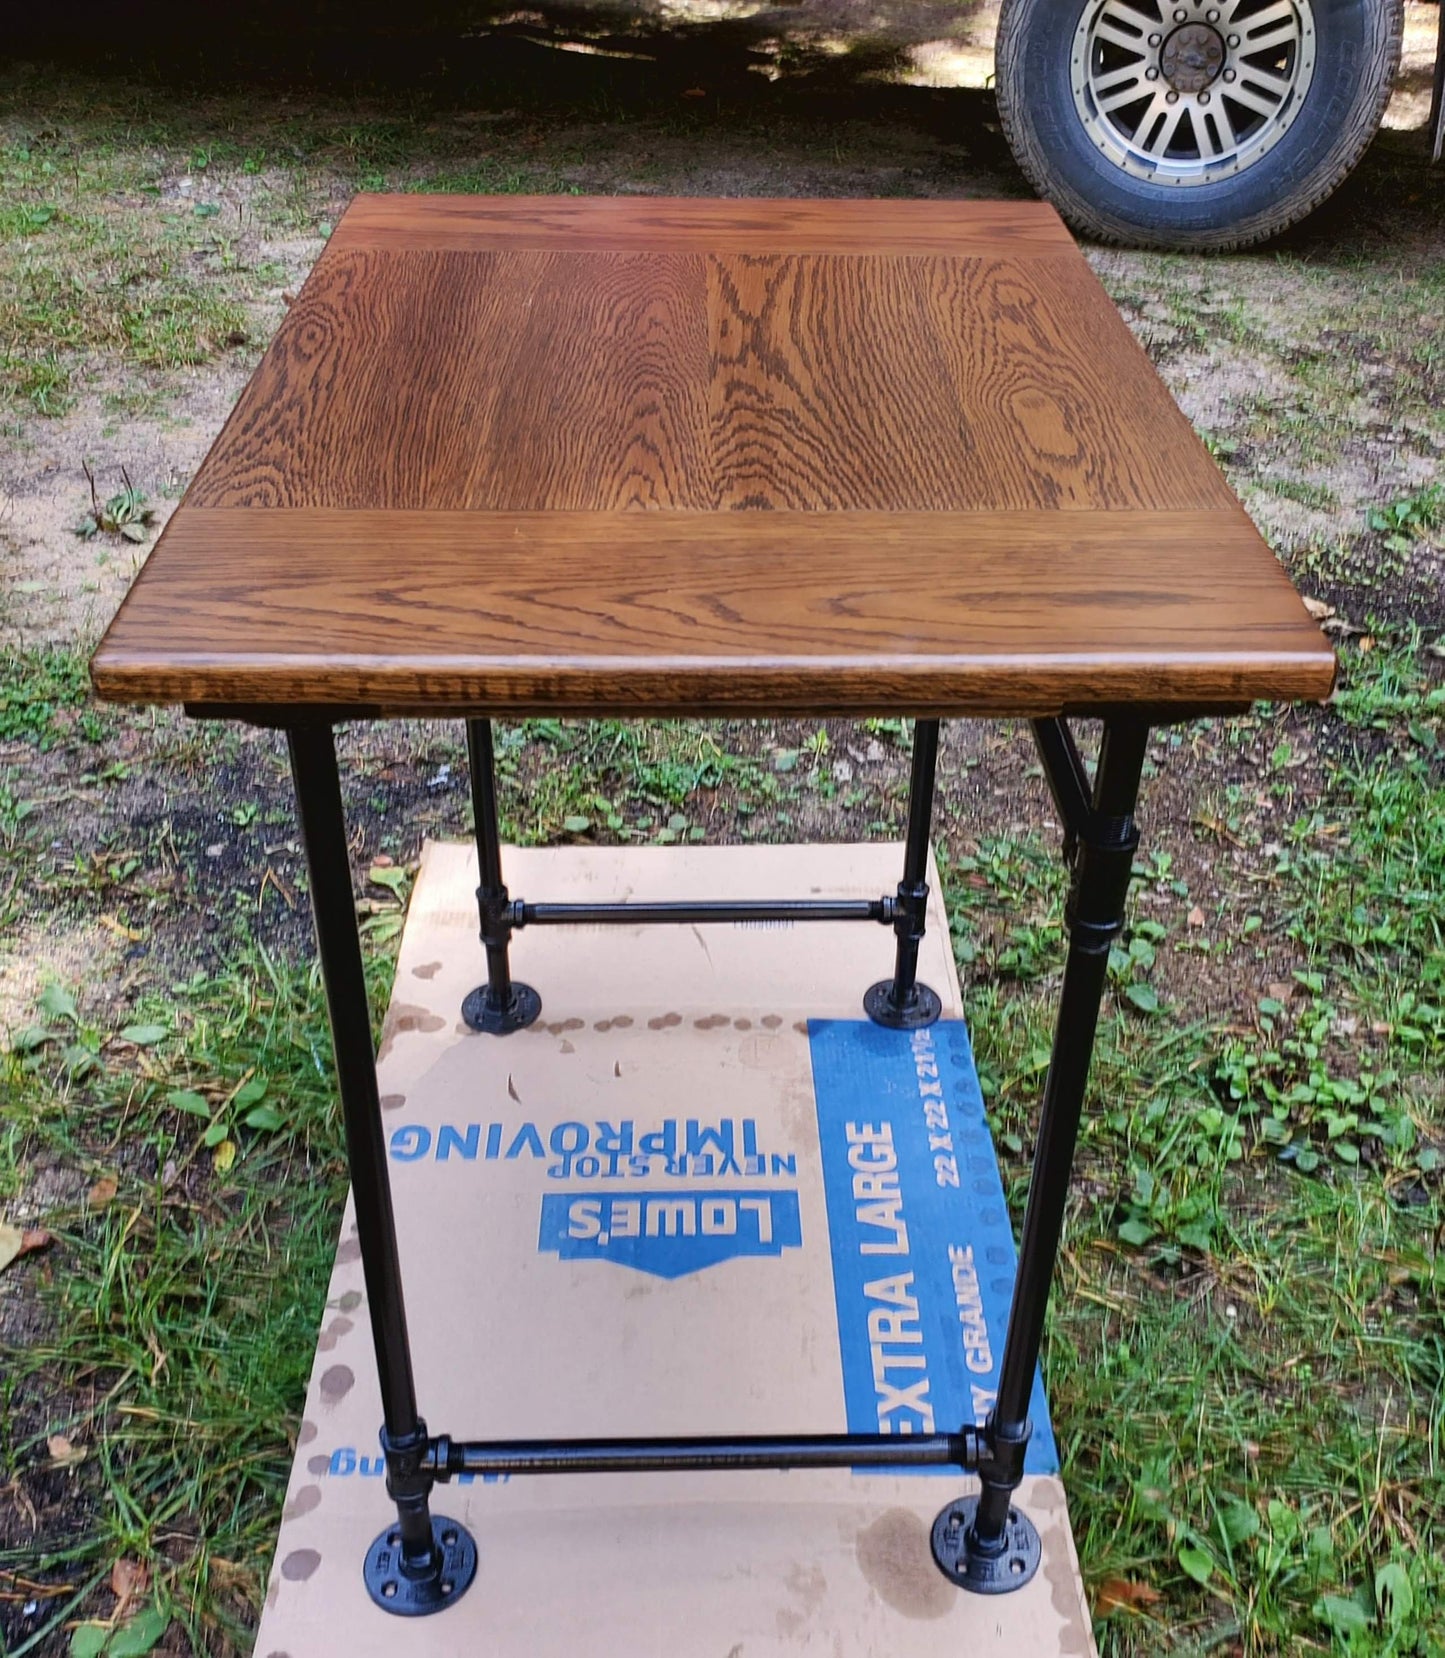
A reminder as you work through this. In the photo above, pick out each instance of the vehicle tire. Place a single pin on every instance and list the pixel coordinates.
(1202, 124)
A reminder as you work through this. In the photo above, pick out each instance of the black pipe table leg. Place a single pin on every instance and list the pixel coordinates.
(984, 1543)
(902, 1003)
(502, 1004)
(424, 1562)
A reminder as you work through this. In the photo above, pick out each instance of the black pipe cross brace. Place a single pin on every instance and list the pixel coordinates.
(503, 1005)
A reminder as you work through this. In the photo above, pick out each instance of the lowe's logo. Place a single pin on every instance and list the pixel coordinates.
(669, 1234)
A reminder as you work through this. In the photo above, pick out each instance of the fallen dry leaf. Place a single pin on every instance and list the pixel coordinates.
(62, 1453)
(102, 1192)
(1196, 917)
(16, 1241)
(119, 928)
(1115, 1592)
(272, 879)
(128, 1579)
(1319, 609)
(1216, 826)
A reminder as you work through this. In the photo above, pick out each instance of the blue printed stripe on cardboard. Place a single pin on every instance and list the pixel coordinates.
(923, 1252)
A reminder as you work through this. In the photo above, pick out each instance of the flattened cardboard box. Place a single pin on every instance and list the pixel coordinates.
(702, 1195)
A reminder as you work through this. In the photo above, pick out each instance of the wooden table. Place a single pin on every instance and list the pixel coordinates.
(664, 458)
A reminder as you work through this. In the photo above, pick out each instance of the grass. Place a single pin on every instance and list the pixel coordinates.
(43, 693)
(1318, 497)
(1245, 1359)
(629, 781)
(83, 273)
(184, 1317)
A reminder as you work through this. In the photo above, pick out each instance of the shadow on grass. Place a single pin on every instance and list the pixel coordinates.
(623, 59)
(795, 76)
(690, 66)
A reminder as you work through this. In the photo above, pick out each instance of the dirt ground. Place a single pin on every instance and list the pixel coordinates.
(206, 168)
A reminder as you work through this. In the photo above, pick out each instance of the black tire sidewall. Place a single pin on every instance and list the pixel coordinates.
(1302, 165)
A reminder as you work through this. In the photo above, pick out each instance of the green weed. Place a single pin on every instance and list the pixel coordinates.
(1412, 518)
(37, 689)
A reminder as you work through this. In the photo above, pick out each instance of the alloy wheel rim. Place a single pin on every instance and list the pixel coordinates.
(1192, 92)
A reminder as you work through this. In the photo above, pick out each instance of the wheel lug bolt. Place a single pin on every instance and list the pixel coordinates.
(1151, 74)
(1211, 17)
(1180, 15)
(1156, 40)
(1171, 97)
(1204, 97)
(1234, 40)
(1229, 74)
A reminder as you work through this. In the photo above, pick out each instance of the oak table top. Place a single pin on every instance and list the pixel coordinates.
(648, 456)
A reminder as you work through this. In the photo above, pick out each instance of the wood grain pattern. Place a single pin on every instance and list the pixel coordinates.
(524, 381)
(663, 224)
(493, 381)
(856, 384)
(742, 613)
(669, 456)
